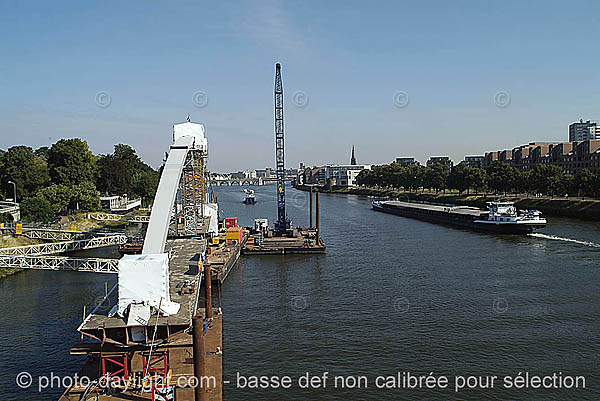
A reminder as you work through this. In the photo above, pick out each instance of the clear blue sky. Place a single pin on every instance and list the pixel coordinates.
(348, 57)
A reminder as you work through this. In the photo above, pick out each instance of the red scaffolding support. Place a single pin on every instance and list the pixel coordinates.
(153, 364)
(112, 361)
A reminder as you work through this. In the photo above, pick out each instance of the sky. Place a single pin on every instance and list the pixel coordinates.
(393, 78)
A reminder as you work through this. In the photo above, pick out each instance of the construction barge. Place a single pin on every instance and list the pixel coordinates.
(501, 217)
(302, 241)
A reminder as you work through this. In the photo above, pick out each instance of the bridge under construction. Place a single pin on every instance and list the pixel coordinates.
(155, 319)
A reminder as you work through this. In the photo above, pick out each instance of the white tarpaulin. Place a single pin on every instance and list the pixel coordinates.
(194, 130)
(145, 279)
(212, 210)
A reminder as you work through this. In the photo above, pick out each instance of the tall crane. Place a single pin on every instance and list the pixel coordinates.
(282, 225)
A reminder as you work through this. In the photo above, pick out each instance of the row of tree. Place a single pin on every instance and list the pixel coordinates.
(67, 177)
(500, 177)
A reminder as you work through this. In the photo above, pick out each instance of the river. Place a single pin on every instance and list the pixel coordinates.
(391, 295)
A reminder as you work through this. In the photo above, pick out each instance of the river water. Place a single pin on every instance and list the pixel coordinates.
(392, 295)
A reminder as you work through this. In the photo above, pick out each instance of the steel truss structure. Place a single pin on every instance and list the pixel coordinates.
(193, 194)
(6, 207)
(65, 246)
(119, 217)
(54, 235)
(282, 224)
(49, 262)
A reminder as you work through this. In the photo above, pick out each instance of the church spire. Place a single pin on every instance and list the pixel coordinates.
(353, 159)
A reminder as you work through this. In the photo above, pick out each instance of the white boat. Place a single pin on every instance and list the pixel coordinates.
(505, 217)
(250, 198)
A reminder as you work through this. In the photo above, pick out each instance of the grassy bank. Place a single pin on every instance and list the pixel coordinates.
(7, 242)
(5, 272)
(563, 207)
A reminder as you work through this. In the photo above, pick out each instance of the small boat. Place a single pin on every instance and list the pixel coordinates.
(501, 217)
(250, 198)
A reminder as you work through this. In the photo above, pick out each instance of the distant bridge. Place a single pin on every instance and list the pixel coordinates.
(238, 181)
(247, 181)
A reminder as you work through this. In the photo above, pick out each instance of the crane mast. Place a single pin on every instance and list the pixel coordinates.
(282, 224)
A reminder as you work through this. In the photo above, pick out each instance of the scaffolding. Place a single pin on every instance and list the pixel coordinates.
(193, 194)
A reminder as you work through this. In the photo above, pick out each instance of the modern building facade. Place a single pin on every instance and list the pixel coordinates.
(473, 161)
(584, 131)
(344, 176)
(571, 156)
(333, 175)
(406, 161)
(265, 173)
(444, 160)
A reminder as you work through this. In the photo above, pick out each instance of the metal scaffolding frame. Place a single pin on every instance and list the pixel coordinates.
(192, 194)
(49, 262)
(64, 246)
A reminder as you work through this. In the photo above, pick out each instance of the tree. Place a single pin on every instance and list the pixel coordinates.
(436, 177)
(584, 181)
(145, 184)
(71, 162)
(36, 208)
(566, 184)
(6, 218)
(501, 176)
(59, 197)
(42, 151)
(123, 172)
(21, 165)
(596, 184)
(84, 197)
(478, 179)
(365, 177)
(113, 177)
(546, 178)
(460, 178)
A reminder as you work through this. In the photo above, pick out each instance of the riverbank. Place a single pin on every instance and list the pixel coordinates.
(561, 207)
(10, 241)
(6, 272)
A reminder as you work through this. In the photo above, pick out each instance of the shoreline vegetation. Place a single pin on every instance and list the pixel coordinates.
(8, 271)
(8, 241)
(572, 207)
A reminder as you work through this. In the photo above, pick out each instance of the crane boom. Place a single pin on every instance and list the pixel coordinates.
(282, 224)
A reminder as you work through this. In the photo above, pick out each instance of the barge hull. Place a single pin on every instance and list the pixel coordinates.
(462, 217)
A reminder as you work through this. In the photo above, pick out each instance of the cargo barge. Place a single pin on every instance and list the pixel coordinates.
(501, 217)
